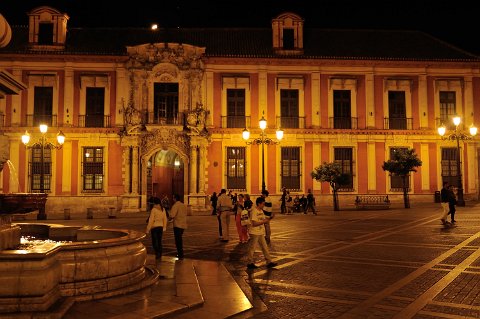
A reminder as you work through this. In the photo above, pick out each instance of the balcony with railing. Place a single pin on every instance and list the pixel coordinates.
(99, 120)
(235, 121)
(32, 120)
(398, 123)
(173, 119)
(291, 122)
(343, 122)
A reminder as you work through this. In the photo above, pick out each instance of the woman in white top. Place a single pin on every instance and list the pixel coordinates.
(157, 224)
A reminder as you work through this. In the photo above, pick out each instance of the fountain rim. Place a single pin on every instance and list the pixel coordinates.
(129, 237)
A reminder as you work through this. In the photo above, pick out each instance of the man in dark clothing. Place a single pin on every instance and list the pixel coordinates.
(444, 194)
(310, 203)
(452, 201)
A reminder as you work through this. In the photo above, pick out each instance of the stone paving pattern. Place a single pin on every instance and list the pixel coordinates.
(397, 263)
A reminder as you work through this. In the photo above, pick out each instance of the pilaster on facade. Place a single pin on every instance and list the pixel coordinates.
(423, 101)
(68, 96)
(370, 100)
(193, 170)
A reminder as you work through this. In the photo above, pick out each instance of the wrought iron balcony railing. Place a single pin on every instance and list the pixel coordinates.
(32, 120)
(291, 122)
(394, 123)
(170, 119)
(99, 120)
(235, 121)
(343, 122)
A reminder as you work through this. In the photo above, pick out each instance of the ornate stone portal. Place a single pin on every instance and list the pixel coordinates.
(186, 134)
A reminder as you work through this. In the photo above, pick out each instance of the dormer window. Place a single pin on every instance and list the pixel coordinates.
(45, 33)
(288, 39)
(287, 33)
(47, 29)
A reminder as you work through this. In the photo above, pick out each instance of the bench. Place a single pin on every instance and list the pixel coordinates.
(372, 202)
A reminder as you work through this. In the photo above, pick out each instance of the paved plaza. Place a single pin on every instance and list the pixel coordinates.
(396, 263)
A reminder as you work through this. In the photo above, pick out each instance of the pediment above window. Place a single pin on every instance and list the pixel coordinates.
(47, 29)
(287, 33)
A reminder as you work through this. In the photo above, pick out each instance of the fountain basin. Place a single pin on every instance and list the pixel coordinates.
(85, 263)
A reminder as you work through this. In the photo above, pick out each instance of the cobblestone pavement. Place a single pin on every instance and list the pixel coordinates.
(397, 263)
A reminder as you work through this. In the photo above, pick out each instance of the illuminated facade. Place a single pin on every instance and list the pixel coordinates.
(152, 112)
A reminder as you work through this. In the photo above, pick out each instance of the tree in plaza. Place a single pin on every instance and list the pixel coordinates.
(332, 174)
(403, 162)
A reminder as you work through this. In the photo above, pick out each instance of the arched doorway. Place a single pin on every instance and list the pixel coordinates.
(165, 174)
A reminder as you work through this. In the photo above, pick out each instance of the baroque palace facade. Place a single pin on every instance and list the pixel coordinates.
(153, 112)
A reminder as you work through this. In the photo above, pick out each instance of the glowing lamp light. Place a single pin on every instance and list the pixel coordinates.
(154, 26)
(245, 134)
(442, 130)
(473, 130)
(262, 123)
(43, 128)
(60, 138)
(26, 138)
(457, 120)
(279, 134)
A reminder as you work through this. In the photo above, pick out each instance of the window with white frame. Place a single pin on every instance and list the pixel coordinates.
(42, 106)
(40, 167)
(449, 166)
(236, 168)
(236, 108)
(397, 112)
(448, 108)
(290, 169)
(342, 109)
(93, 169)
(94, 107)
(289, 111)
(344, 157)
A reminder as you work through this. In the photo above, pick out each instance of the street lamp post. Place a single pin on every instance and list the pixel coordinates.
(457, 136)
(262, 140)
(42, 144)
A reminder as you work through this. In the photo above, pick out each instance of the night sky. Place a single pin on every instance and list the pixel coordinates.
(449, 21)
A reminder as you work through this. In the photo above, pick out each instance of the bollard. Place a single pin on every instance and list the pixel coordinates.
(66, 213)
(112, 212)
(89, 213)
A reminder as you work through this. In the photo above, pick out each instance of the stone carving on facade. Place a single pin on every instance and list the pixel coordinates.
(196, 120)
(147, 56)
(166, 138)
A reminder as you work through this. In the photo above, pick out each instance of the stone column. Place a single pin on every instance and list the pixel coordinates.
(201, 169)
(193, 169)
(135, 170)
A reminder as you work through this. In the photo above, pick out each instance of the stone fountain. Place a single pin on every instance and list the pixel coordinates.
(66, 263)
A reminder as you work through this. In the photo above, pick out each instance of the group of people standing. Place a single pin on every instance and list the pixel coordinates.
(298, 204)
(257, 232)
(448, 201)
(157, 223)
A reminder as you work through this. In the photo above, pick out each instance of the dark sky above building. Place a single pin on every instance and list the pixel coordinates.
(450, 21)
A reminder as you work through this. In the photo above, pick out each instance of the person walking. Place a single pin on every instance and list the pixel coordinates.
(157, 224)
(268, 210)
(444, 195)
(166, 204)
(310, 203)
(224, 211)
(283, 200)
(178, 214)
(257, 234)
(241, 230)
(452, 201)
(214, 199)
